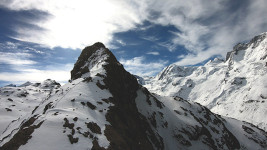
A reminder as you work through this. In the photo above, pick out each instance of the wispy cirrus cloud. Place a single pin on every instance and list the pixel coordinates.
(139, 66)
(75, 24)
(19, 63)
(204, 28)
(36, 75)
(16, 58)
(152, 53)
(208, 28)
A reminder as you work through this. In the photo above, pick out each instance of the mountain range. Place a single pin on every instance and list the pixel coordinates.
(235, 87)
(105, 107)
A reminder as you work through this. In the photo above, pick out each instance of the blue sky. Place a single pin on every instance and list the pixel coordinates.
(43, 39)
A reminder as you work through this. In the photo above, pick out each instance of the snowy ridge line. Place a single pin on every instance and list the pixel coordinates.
(105, 108)
(9, 125)
(57, 101)
(235, 87)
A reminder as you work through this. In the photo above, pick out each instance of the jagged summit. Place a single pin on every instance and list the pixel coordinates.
(235, 87)
(92, 57)
(253, 43)
(104, 108)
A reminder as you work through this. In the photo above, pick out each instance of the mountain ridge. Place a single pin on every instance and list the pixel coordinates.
(234, 87)
(104, 107)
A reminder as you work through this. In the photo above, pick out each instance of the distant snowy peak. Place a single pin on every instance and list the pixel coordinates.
(235, 87)
(256, 50)
(104, 108)
(92, 60)
(175, 70)
(49, 84)
(25, 84)
(10, 85)
(253, 51)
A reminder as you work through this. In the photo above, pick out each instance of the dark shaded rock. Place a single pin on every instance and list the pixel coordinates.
(34, 109)
(73, 140)
(23, 135)
(182, 140)
(96, 146)
(8, 109)
(93, 127)
(105, 100)
(75, 119)
(90, 105)
(101, 86)
(247, 129)
(48, 106)
(67, 124)
(78, 71)
(88, 79)
(252, 101)
(9, 99)
(129, 129)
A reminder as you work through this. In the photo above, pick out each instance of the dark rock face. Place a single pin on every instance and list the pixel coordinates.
(242, 46)
(129, 129)
(23, 135)
(78, 71)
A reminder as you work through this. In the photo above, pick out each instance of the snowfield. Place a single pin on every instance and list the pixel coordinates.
(236, 87)
(104, 107)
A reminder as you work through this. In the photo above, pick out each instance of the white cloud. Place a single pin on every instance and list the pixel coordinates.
(16, 58)
(60, 74)
(23, 66)
(206, 27)
(138, 66)
(152, 53)
(121, 42)
(150, 38)
(35, 75)
(76, 23)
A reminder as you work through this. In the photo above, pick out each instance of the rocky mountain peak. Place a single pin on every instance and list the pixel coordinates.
(105, 108)
(98, 64)
(252, 44)
(92, 58)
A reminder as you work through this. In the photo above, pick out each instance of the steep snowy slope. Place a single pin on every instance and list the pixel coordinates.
(236, 87)
(104, 107)
(16, 102)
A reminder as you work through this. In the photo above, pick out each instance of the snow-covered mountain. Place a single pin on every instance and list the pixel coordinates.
(16, 102)
(104, 107)
(236, 87)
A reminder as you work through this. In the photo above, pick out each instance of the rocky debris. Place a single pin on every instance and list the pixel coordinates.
(22, 136)
(93, 127)
(128, 129)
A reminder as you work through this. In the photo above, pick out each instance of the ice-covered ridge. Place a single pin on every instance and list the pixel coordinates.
(95, 63)
(108, 109)
(235, 88)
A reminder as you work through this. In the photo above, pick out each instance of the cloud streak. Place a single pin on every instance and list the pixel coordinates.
(153, 53)
(75, 24)
(16, 58)
(18, 64)
(139, 66)
(205, 28)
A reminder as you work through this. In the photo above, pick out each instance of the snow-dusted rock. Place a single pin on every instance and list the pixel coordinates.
(236, 87)
(104, 107)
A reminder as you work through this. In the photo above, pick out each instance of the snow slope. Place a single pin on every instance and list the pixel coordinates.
(16, 102)
(104, 107)
(236, 87)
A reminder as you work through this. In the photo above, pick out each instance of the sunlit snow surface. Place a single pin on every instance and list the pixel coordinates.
(236, 88)
(73, 116)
